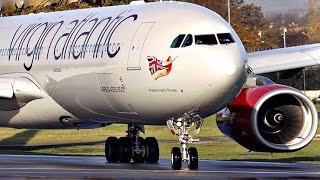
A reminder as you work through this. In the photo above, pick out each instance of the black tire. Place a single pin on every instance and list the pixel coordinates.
(125, 150)
(152, 150)
(193, 158)
(139, 158)
(111, 149)
(176, 160)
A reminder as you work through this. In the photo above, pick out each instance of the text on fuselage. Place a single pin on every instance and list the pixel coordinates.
(68, 40)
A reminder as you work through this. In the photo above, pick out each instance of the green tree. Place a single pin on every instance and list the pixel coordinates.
(252, 16)
(119, 2)
(313, 27)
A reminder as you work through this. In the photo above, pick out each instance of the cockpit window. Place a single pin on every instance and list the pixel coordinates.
(177, 41)
(225, 38)
(188, 41)
(207, 39)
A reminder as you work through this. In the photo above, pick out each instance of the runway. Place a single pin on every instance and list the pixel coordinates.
(88, 167)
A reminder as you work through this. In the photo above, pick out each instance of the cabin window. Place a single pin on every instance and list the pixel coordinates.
(206, 39)
(188, 41)
(225, 38)
(177, 41)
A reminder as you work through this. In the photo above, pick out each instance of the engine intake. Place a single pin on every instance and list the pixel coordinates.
(270, 118)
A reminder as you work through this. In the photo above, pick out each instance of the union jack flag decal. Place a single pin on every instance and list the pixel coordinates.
(159, 68)
(154, 64)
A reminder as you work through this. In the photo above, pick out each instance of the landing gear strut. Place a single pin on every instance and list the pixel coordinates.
(181, 127)
(132, 147)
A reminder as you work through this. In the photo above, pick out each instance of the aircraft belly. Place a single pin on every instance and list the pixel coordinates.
(82, 96)
(113, 88)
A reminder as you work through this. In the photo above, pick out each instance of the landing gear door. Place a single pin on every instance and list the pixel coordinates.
(137, 44)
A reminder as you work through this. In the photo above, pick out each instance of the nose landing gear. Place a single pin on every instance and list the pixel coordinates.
(181, 128)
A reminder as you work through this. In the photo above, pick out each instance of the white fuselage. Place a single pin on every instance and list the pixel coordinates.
(92, 65)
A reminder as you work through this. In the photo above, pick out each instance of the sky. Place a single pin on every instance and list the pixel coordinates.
(278, 6)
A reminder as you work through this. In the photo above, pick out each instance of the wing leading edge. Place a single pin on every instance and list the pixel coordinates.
(284, 58)
(18, 91)
(6, 89)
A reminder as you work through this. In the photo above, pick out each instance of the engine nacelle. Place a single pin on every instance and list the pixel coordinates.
(270, 118)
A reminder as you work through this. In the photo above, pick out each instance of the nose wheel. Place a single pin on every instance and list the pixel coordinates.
(192, 158)
(181, 127)
(176, 159)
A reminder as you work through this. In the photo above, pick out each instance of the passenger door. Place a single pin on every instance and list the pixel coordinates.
(137, 44)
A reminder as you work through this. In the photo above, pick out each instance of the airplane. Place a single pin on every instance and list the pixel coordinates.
(161, 63)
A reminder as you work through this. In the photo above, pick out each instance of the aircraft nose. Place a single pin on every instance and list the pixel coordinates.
(230, 62)
(226, 69)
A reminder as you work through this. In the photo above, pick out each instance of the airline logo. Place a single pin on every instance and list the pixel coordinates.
(159, 68)
(68, 39)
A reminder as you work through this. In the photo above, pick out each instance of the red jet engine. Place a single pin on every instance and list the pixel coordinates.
(270, 118)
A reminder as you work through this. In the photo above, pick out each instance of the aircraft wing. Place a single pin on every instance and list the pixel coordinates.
(6, 89)
(284, 58)
(15, 92)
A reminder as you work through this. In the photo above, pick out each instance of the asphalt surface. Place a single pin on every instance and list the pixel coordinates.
(88, 167)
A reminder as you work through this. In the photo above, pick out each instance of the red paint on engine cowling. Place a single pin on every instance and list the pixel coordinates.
(241, 109)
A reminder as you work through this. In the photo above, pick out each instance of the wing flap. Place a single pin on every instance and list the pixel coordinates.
(284, 58)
